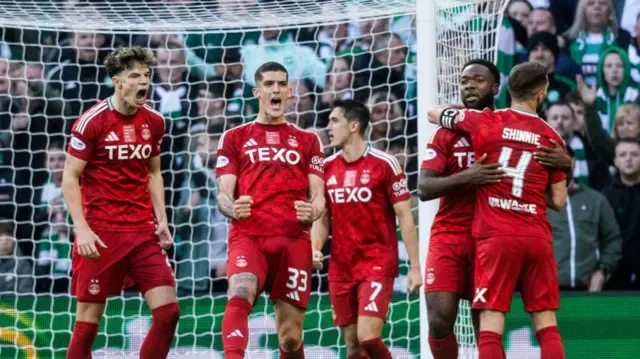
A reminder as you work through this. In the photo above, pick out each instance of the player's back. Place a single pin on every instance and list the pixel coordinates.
(272, 164)
(360, 196)
(449, 153)
(118, 149)
(517, 205)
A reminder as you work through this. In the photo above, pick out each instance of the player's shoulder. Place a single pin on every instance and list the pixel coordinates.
(307, 136)
(384, 160)
(92, 118)
(155, 115)
(443, 137)
(486, 112)
(332, 161)
(230, 135)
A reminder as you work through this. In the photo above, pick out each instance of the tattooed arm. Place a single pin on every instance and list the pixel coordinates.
(229, 207)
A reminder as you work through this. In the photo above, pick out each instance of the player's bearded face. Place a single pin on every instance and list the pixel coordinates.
(134, 85)
(273, 92)
(477, 88)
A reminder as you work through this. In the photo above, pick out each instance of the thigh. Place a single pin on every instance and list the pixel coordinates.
(93, 280)
(539, 280)
(447, 268)
(246, 256)
(148, 263)
(290, 269)
(498, 264)
(344, 302)
(374, 296)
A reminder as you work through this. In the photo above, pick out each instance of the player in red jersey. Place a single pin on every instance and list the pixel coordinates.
(514, 245)
(115, 194)
(449, 172)
(270, 183)
(367, 190)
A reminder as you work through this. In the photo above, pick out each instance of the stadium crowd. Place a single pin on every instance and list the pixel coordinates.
(202, 85)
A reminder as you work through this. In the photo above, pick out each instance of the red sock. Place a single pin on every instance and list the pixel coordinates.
(490, 345)
(298, 354)
(235, 328)
(445, 348)
(551, 346)
(157, 343)
(376, 349)
(357, 357)
(84, 334)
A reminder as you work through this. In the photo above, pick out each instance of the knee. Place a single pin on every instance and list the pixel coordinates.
(441, 324)
(242, 291)
(369, 328)
(166, 315)
(290, 338)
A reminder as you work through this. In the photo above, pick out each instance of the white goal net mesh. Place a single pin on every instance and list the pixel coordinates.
(51, 55)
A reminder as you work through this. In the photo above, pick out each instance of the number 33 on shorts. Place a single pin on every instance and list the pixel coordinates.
(298, 282)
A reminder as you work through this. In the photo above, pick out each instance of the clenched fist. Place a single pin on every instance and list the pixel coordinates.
(242, 207)
(318, 259)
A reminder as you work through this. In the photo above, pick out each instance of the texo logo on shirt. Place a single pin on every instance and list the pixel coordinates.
(129, 152)
(283, 155)
(350, 195)
(470, 159)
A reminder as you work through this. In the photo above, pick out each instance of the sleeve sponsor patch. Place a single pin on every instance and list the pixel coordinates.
(77, 144)
(222, 161)
(431, 154)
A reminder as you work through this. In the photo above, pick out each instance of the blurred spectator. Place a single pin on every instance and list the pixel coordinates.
(333, 39)
(634, 52)
(300, 107)
(594, 29)
(615, 86)
(560, 116)
(341, 83)
(387, 121)
(624, 196)
(201, 229)
(541, 20)
(75, 70)
(5, 98)
(211, 106)
(241, 101)
(520, 10)
(54, 248)
(543, 49)
(387, 66)
(323, 135)
(577, 105)
(278, 45)
(586, 238)
(16, 272)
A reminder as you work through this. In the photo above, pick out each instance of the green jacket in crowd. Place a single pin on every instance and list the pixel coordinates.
(628, 92)
(586, 237)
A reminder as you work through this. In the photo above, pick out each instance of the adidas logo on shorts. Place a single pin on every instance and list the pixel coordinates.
(371, 307)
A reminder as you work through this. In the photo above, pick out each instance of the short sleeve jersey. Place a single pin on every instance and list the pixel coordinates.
(272, 164)
(449, 153)
(118, 150)
(516, 206)
(360, 199)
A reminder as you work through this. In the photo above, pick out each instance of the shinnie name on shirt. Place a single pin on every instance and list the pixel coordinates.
(520, 136)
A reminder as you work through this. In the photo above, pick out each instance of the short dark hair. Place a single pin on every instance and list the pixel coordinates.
(125, 58)
(493, 70)
(633, 139)
(561, 103)
(574, 98)
(7, 227)
(526, 79)
(354, 111)
(270, 66)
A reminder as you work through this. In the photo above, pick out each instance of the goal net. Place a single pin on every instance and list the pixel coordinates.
(51, 55)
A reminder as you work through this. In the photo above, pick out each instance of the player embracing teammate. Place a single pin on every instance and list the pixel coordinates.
(366, 190)
(513, 237)
(114, 191)
(270, 183)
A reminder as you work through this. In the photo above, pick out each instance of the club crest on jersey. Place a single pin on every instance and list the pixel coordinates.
(350, 178)
(365, 177)
(292, 141)
(94, 287)
(431, 277)
(241, 262)
(146, 134)
(129, 132)
(273, 138)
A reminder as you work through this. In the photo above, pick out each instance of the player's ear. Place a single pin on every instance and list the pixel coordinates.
(116, 81)
(255, 91)
(495, 89)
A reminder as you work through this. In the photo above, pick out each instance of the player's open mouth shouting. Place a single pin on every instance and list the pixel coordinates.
(141, 96)
(276, 103)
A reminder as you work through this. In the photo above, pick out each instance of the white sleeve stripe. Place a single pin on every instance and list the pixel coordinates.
(164, 125)
(392, 161)
(221, 142)
(84, 120)
(319, 142)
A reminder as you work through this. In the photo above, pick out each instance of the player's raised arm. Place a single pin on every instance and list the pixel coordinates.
(435, 113)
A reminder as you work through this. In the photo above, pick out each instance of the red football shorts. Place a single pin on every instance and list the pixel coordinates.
(134, 256)
(352, 299)
(450, 263)
(504, 264)
(283, 265)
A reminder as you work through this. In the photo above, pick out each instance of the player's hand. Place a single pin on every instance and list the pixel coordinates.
(588, 93)
(164, 235)
(242, 207)
(414, 280)
(86, 242)
(304, 211)
(480, 173)
(597, 281)
(555, 157)
(318, 259)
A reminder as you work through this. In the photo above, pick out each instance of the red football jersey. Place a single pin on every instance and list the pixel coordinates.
(360, 198)
(118, 149)
(517, 205)
(449, 153)
(272, 163)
